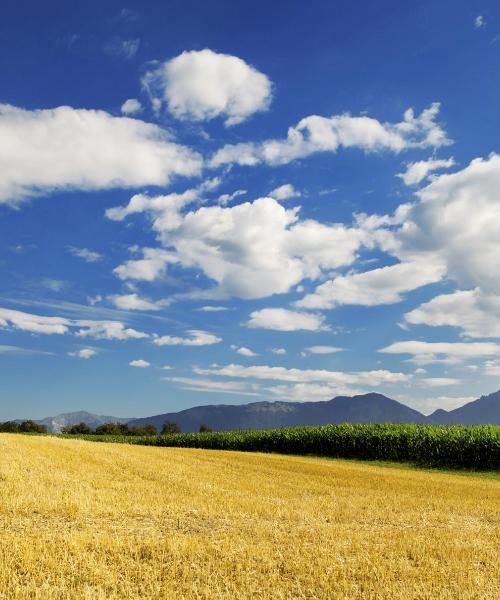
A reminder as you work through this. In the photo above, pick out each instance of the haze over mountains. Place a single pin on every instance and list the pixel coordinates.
(365, 408)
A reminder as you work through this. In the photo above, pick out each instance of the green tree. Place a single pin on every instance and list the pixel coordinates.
(9, 427)
(170, 427)
(32, 427)
(204, 428)
(80, 429)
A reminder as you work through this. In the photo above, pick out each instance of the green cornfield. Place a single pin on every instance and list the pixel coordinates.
(462, 447)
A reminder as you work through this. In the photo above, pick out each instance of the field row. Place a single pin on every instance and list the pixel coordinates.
(469, 447)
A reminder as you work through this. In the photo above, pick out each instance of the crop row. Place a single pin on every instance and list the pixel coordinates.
(469, 447)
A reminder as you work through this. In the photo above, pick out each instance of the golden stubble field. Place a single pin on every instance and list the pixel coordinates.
(90, 520)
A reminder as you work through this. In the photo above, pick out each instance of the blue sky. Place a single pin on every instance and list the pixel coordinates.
(231, 202)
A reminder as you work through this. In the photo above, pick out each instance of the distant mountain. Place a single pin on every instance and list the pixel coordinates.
(366, 408)
(485, 410)
(55, 424)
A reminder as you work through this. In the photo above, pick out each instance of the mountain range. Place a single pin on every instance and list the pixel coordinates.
(365, 408)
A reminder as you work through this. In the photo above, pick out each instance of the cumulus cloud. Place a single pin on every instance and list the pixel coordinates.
(264, 372)
(284, 192)
(456, 222)
(278, 351)
(140, 363)
(202, 85)
(84, 353)
(68, 148)
(132, 106)
(196, 338)
(85, 254)
(327, 134)
(251, 250)
(150, 267)
(108, 330)
(418, 171)
(134, 302)
(282, 319)
(244, 351)
(384, 285)
(442, 352)
(475, 313)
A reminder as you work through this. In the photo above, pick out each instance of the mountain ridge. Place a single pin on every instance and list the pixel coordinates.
(362, 408)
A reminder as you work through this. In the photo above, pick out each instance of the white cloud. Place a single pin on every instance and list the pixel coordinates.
(323, 349)
(479, 22)
(132, 106)
(212, 308)
(418, 171)
(61, 325)
(196, 338)
(224, 199)
(251, 250)
(84, 353)
(150, 267)
(282, 319)
(378, 286)
(18, 350)
(326, 134)
(67, 148)
(456, 222)
(444, 352)
(244, 351)
(429, 405)
(278, 351)
(202, 85)
(123, 48)
(438, 381)
(311, 392)
(140, 363)
(134, 302)
(165, 208)
(85, 254)
(33, 323)
(284, 192)
(209, 385)
(108, 330)
(477, 314)
(264, 372)
(492, 368)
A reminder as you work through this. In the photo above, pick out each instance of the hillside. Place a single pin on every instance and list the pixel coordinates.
(55, 424)
(366, 408)
(484, 410)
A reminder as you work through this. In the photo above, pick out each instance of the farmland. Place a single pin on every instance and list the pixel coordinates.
(467, 447)
(86, 520)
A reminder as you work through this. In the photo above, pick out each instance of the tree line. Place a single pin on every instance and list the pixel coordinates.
(29, 426)
(169, 427)
(22, 427)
